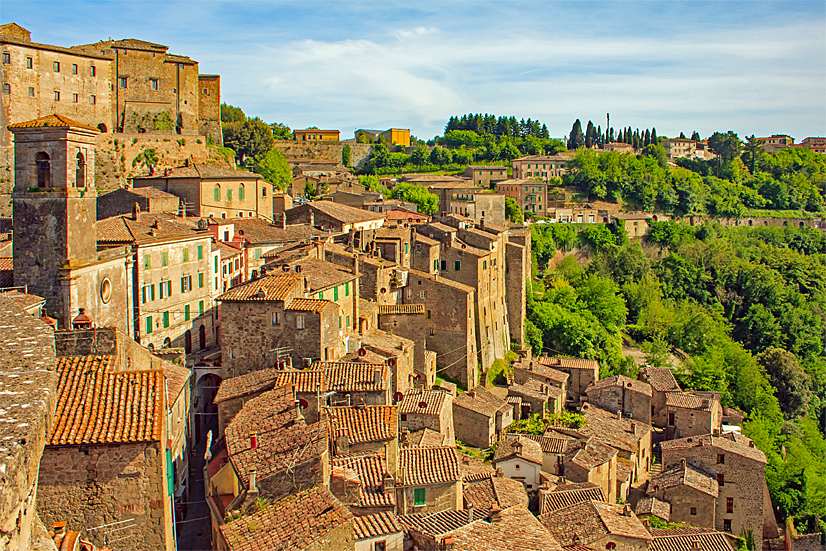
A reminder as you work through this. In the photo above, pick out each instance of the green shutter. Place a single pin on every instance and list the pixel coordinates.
(170, 478)
(148, 324)
(164, 258)
(217, 194)
(165, 320)
(201, 308)
(186, 312)
(241, 193)
(147, 263)
(335, 293)
(186, 254)
(229, 195)
(419, 496)
(200, 279)
(200, 252)
(347, 289)
(216, 264)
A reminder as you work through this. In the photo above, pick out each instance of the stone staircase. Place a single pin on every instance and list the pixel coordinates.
(657, 465)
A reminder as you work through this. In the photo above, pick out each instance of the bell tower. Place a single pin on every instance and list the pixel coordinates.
(55, 204)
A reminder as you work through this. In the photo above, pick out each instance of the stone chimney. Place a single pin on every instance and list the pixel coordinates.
(388, 485)
(495, 513)
(253, 440)
(482, 222)
(312, 219)
(343, 442)
(356, 292)
(377, 377)
(136, 210)
(448, 543)
(284, 221)
(253, 480)
(682, 463)
(470, 512)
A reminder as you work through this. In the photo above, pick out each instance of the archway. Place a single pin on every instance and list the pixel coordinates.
(44, 170)
(80, 171)
(167, 342)
(205, 408)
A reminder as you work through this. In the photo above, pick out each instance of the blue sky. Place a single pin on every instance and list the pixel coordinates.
(752, 67)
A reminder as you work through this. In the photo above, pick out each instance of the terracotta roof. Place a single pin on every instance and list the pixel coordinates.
(590, 455)
(427, 466)
(258, 230)
(620, 433)
(516, 447)
(742, 448)
(6, 272)
(474, 468)
(542, 372)
(623, 381)
(96, 405)
(308, 305)
(354, 377)
(149, 192)
(661, 379)
(52, 121)
(321, 274)
(442, 522)
(684, 400)
(549, 444)
(401, 309)
(689, 540)
(149, 226)
(684, 475)
(363, 423)
(195, 170)
(379, 524)
(533, 389)
(568, 363)
(227, 251)
(497, 490)
(424, 402)
(397, 232)
(304, 380)
(269, 288)
(515, 530)
(343, 213)
(567, 495)
(426, 438)
(405, 215)
(283, 440)
(481, 400)
(244, 385)
(652, 506)
(578, 547)
(294, 523)
(177, 377)
(589, 521)
(25, 300)
(371, 470)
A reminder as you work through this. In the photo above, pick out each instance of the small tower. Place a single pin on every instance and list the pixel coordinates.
(54, 202)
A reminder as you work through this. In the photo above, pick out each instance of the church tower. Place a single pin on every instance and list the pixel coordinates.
(55, 204)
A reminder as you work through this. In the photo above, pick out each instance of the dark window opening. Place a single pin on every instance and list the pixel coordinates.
(44, 176)
(80, 171)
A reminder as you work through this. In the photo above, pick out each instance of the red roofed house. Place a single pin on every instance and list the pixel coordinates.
(428, 480)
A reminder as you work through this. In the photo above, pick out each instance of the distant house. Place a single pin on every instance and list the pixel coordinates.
(621, 394)
(520, 459)
(581, 373)
(662, 382)
(480, 417)
(558, 497)
(428, 480)
(691, 492)
(484, 176)
(316, 135)
(431, 409)
(592, 461)
(597, 525)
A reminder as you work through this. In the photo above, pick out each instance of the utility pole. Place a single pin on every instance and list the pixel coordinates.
(607, 126)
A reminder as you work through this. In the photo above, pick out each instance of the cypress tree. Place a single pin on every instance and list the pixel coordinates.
(600, 138)
(695, 136)
(576, 138)
(647, 137)
(544, 132)
(654, 138)
(682, 135)
(590, 135)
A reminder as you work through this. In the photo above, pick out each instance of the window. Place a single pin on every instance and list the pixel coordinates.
(80, 170)
(421, 294)
(162, 289)
(186, 254)
(257, 254)
(152, 292)
(153, 83)
(56, 66)
(200, 280)
(144, 294)
(186, 312)
(380, 546)
(200, 252)
(729, 505)
(263, 192)
(229, 195)
(241, 193)
(428, 314)
(444, 265)
(484, 264)
(671, 419)
(274, 319)
(74, 98)
(93, 71)
(339, 326)
(347, 321)
(148, 324)
(721, 479)
(186, 284)
(217, 194)
(123, 82)
(31, 91)
(721, 459)
(29, 63)
(6, 88)
(215, 258)
(57, 95)
(727, 525)
(164, 258)
(457, 265)
(346, 289)
(92, 99)
(693, 512)
(419, 497)
(299, 321)
(166, 319)
(147, 264)
(201, 308)
(335, 293)
(74, 68)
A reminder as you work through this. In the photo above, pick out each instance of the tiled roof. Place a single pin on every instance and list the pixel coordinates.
(624, 470)
(684, 400)
(589, 521)
(6, 271)
(258, 230)
(689, 540)
(304, 380)
(308, 305)
(52, 121)
(98, 406)
(426, 466)
(684, 475)
(283, 440)
(652, 506)
(176, 378)
(379, 524)
(726, 444)
(405, 215)
(661, 379)
(443, 522)
(401, 309)
(321, 274)
(568, 363)
(569, 494)
(244, 385)
(148, 227)
(424, 402)
(294, 523)
(371, 470)
(606, 427)
(542, 372)
(397, 232)
(590, 455)
(267, 288)
(516, 447)
(497, 490)
(195, 170)
(549, 444)
(150, 192)
(515, 530)
(363, 423)
(481, 400)
(530, 391)
(474, 468)
(25, 300)
(344, 213)
(354, 377)
(623, 381)
(426, 438)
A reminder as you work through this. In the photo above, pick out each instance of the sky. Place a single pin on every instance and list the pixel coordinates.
(754, 67)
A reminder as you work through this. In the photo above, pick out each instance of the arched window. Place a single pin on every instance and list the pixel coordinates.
(217, 193)
(241, 192)
(44, 176)
(80, 171)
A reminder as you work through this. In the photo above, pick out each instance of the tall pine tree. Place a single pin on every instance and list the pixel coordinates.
(576, 139)
(654, 138)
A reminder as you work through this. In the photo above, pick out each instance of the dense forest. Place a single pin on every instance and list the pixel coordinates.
(746, 305)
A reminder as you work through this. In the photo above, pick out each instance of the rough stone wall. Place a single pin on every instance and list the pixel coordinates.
(102, 288)
(209, 107)
(517, 271)
(359, 153)
(474, 429)
(616, 398)
(88, 486)
(442, 497)
(339, 538)
(303, 476)
(579, 380)
(683, 499)
(689, 422)
(122, 201)
(409, 326)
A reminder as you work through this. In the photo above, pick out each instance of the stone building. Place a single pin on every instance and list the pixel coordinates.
(517, 272)
(431, 409)
(541, 167)
(235, 391)
(662, 382)
(554, 446)
(743, 501)
(622, 394)
(687, 538)
(379, 531)
(552, 497)
(494, 491)
(527, 370)
(428, 480)
(520, 459)
(581, 373)
(210, 191)
(691, 415)
(362, 481)
(27, 389)
(598, 525)
(123, 201)
(691, 493)
(537, 398)
(480, 417)
(365, 429)
(409, 320)
(531, 195)
(484, 176)
(359, 226)
(477, 204)
(592, 461)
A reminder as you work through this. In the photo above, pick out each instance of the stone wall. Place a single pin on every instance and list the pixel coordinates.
(89, 486)
(359, 153)
(472, 428)
(517, 271)
(443, 497)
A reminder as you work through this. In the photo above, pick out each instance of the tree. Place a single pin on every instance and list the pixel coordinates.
(419, 156)
(274, 168)
(509, 152)
(727, 146)
(590, 135)
(752, 152)
(232, 114)
(695, 136)
(512, 211)
(345, 155)
(791, 382)
(576, 139)
(252, 138)
(427, 203)
(440, 156)
(462, 156)
(281, 131)
(657, 152)
(379, 156)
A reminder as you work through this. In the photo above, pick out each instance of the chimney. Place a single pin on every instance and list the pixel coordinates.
(136, 210)
(253, 440)
(619, 414)
(343, 442)
(495, 511)
(388, 485)
(448, 543)
(284, 221)
(59, 528)
(377, 377)
(682, 463)
(482, 222)
(298, 415)
(312, 219)
(499, 472)
(470, 512)
(517, 446)
(626, 510)
(356, 292)
(253, 481)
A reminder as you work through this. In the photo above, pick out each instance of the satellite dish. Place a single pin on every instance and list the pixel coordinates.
(422, 405)
(397, 397)
(391, 362)
(362, 352)
(303, 403)
(286, 267)
(383, 290)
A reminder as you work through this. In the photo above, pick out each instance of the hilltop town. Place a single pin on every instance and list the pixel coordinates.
(196, 353)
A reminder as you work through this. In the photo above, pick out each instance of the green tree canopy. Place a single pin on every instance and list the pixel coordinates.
(274, 168)
(232, 114)
(427, 203)
(512, 211)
